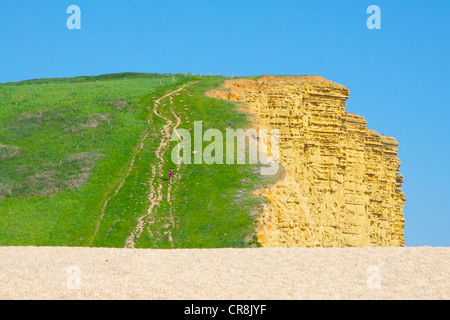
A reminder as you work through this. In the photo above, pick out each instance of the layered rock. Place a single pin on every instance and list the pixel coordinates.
(342, 185)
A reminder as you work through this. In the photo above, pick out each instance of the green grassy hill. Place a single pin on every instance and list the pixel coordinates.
(82, 163)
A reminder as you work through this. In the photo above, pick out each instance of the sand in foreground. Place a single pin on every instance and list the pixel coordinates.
(275, 273)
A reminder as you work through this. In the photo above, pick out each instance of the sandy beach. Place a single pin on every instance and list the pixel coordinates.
(265, 273)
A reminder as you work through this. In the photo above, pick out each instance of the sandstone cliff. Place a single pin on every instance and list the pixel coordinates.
(342, 185)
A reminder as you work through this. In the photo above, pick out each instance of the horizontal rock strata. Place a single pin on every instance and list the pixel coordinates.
(342, 185)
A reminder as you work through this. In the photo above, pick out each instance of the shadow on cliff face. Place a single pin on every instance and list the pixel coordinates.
(280, 175)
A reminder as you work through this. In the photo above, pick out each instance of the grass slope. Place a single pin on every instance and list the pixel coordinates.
(66, 145)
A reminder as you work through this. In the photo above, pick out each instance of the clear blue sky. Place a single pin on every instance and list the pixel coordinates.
(397, 76)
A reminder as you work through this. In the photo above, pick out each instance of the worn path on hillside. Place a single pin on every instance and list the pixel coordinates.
(156, 186)
(264, 273)
(155, 193)
(130, 167)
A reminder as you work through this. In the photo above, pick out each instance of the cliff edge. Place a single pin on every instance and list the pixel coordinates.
(342, 186)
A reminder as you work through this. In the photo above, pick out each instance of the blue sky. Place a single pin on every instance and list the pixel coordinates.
(397, 76)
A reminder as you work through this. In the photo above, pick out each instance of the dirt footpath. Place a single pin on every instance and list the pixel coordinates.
(275, 273)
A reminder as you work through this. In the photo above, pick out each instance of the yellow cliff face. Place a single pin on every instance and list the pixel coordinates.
(342, 185)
